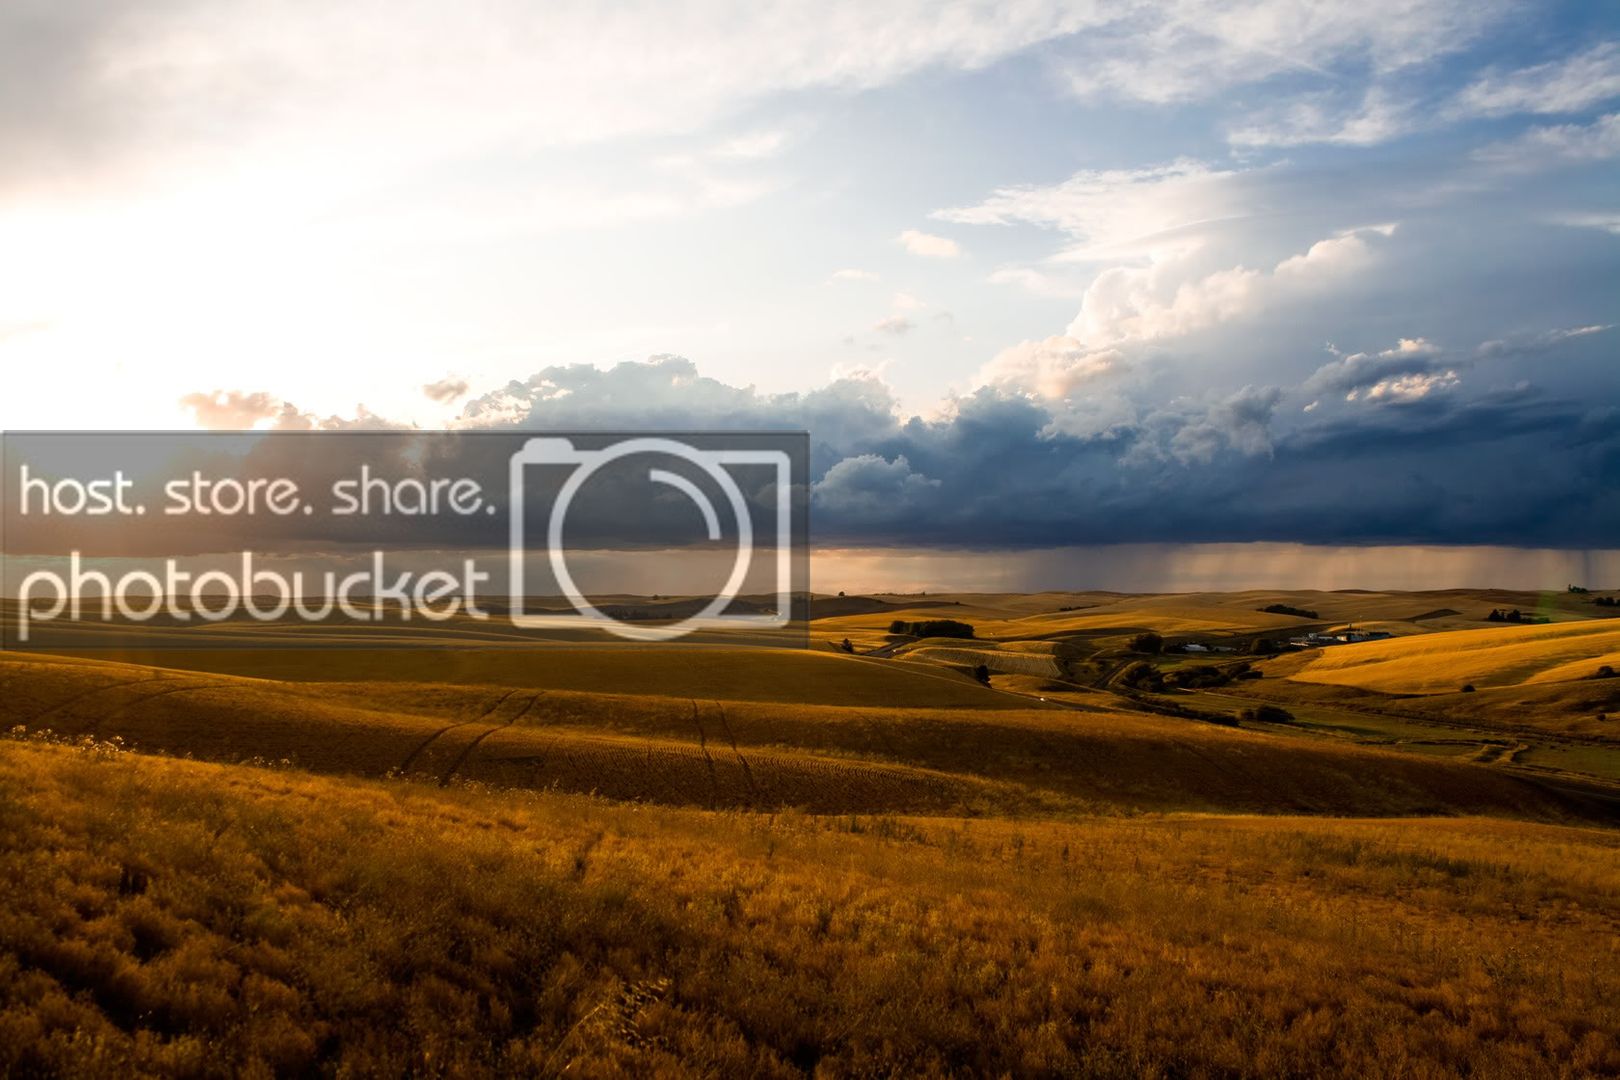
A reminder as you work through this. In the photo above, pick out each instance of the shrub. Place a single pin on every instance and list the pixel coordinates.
(1269, 714)
(982, 673)
(1142, 675)
(1468, 688)
(1604, 672)
(1198, 676)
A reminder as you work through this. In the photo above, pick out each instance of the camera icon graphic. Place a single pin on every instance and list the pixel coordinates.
(718, 465)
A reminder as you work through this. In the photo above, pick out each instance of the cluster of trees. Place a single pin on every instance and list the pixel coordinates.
(932, 628)
(1200, 676)
(1142, 675)
(1607, 601)
(1284, 609)
(1514, 616)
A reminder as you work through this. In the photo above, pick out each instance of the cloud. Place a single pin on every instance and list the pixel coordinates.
(264, 85)
(898, 325)
(1545, 147)
(1607, 222)
(853, 275)
(445, 390)
(1167, 299)
(234, 410)
(1054, 368)
(1407, 388)
(1413, 359)
(1193, 50)
(1114, 210)
(1378, 118)
(1567, 85)
(1000, 467)
(1240, 422)
(1532, 344)
(874, 489)
(1559, 86)
(928, 245)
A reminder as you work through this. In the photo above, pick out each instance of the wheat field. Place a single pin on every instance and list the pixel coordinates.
(194, 919)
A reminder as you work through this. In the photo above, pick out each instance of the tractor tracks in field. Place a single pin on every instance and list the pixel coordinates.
(421, 748)
(748, 773)
(93, 691)
(94, 729)
(466, 751)
(708, 759)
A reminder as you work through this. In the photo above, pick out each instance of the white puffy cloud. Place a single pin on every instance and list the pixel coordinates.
(928, 245)
(872, 488)
(898, 325)
(1407, 371)
(1413, 387)
(1559, 86)
(1165, 299)
(446, 390)
(1054, 368)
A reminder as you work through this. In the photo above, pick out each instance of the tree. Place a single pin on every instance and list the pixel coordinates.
(982, 673)
(932, 628)
(1284, 609)
(1148, 642)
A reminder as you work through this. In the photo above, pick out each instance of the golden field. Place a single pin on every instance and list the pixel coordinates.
(468, 859)
(1498, 656)
(191, 919)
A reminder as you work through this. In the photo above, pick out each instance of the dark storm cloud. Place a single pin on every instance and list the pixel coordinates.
(1506, 466)
(996, 470)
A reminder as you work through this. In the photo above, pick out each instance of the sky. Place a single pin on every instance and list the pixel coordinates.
(1035, 276)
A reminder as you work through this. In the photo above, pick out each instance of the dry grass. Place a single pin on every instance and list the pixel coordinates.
(714, 753)
(1443, 662)
(178, 918)
(781, 675)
